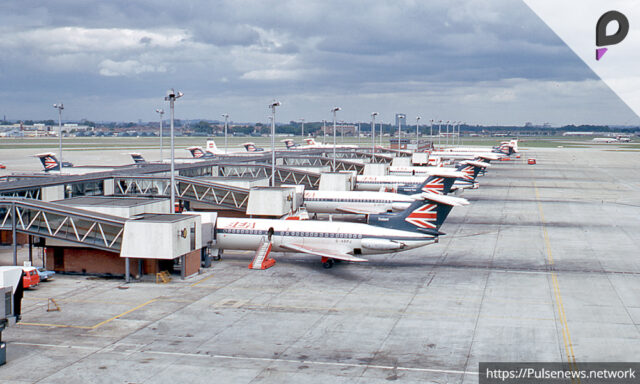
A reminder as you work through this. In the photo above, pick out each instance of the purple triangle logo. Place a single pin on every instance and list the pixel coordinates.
(600, 52)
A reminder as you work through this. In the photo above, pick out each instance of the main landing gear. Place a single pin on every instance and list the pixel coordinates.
(327, 262)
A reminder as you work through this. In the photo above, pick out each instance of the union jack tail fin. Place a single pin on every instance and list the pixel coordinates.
(289, 143)
(471, 169)
(310, 141)
(49, 161)
(439, 183)
(251, 147)
(423, 215)
(137, 158)
(198, 152)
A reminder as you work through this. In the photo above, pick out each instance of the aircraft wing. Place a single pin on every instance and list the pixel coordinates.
(320, 252)
(359, 211)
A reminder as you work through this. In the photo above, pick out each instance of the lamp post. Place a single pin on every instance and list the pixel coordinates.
(373, 133)
(161, 113)
(381, 124)
(59, 107)
(171, 98)
(334, 110)
(400, 117)
(302, 122)
(439, 131)
(273, 106)
(324, 131)
(431, 132)
(226, 122)
(417, 128)
(358, 134)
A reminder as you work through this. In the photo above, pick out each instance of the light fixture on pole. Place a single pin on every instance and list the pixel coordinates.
(417, 128)
(373, 133)
(381, 124)
(273, 106)
(334, 110)
(439, 131)
(302, 122)
(431, 132)
(226, 122)
(448, 132)
(171, 98)
(161, 113)
(59, 107)
(358, 134)
(400, 117)
(324, 131)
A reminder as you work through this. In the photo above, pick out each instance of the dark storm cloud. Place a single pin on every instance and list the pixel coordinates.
(305, 51)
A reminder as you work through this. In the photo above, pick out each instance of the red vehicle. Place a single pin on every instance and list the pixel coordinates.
(30, 277)
(532, 161)
(2, 166)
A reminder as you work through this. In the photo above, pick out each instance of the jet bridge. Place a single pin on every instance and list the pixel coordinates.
(55, 221)
(187, 188)
(283, 175)
(319, 161)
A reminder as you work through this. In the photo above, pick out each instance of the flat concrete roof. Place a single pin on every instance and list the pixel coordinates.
(108, 201)
(162, 217)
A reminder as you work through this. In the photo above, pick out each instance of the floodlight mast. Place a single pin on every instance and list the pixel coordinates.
(226, 121)
(417, 128)
(171, 97)
(273, 106)
(334, 110)
(160, 112)
(59, 107)
(373, 134)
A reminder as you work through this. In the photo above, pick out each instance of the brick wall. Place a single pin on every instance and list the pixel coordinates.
(86, 260)
(192, 263)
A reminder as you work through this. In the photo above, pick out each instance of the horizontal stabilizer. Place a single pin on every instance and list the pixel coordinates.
(480, 164)
(359, 211)
(446, 172)
(445, 199)
(321, 252)
(488, 156)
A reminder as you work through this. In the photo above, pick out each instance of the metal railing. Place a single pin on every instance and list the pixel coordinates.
(62, 222)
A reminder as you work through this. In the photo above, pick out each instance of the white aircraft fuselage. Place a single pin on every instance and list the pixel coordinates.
(336, 237)
(355, 202)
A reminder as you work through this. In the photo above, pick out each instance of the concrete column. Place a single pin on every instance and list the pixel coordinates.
(14, 240)
(140, 267)
(183, 270)
(126, 269)
(31, 249)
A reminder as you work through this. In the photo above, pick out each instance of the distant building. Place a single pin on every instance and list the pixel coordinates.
(345, 129)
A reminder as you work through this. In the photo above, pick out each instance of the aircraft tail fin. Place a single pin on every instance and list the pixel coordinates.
(137, 158)
(424, 215)
(439, 183)
(310, 141)
(289, 143)
(49, 161)
(471, 169)
(197, 152)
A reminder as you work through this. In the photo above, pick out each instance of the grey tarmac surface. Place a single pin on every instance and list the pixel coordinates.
(542, 266)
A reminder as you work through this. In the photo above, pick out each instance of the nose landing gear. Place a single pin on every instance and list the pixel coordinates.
(327, 262)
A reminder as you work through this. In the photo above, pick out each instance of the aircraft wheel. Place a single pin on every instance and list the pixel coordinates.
(327, 264)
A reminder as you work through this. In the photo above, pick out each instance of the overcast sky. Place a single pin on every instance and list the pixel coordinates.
(479, 61)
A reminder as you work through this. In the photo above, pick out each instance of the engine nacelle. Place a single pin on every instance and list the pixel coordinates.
(381, 244)
(399, 206)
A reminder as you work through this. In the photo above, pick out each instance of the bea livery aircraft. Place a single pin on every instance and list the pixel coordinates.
(466, 173)
(213, 150)
(368, 203)
(311, 143)
(414, 227)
